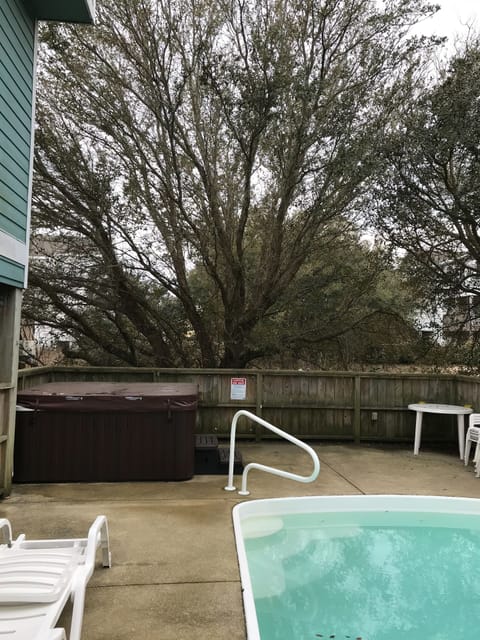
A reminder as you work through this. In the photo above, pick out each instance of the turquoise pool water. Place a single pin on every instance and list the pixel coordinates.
(368, 576)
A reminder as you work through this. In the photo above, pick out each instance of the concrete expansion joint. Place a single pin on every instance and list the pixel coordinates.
(355, 486)
(121, 585)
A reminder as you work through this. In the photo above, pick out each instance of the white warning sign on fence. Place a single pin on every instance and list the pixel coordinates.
(238, 388)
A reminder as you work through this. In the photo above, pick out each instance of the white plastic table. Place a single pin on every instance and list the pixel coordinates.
(452, 409)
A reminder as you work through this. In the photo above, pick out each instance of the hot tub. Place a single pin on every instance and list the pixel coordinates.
(102, 432)
(360, 567)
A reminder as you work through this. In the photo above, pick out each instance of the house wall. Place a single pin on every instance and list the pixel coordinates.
(17, 59)
(17, 64)
(18, 24)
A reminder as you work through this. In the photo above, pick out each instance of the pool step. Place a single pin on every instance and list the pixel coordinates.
(212, 458)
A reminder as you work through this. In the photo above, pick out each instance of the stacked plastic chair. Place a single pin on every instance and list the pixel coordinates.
(473, 435)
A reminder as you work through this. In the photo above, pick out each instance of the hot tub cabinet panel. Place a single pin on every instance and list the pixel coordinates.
(92, 432)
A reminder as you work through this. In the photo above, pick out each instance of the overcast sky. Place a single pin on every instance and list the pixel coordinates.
(453, 17)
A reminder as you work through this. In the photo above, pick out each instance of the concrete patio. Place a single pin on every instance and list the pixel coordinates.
(175, 573)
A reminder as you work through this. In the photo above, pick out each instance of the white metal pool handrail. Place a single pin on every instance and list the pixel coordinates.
(262, 467)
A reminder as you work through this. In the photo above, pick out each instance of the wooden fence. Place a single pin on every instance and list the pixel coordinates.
(308, 404)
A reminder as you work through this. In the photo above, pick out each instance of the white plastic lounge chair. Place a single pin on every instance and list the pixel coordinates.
(37, 577)
(473, 435)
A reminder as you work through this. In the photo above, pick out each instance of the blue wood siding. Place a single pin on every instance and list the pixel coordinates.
(11, 273)
(16, 91)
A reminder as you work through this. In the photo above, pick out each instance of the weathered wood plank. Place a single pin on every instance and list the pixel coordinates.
(323, 405)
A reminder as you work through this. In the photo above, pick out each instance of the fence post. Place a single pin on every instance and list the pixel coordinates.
(356, 410)
(259, 406)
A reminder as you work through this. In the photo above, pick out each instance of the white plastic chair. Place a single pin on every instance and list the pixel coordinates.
(473, 435)
(476, 462)
(37, 577)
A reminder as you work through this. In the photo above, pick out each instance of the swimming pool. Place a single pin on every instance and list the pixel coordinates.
(360, 567)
